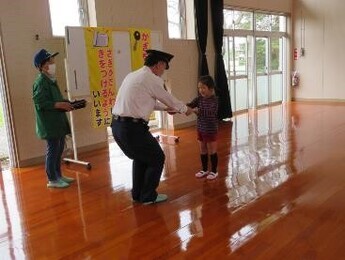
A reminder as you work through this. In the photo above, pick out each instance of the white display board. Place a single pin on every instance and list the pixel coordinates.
(76, 59)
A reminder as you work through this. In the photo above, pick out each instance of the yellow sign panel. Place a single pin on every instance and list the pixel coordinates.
(140, 42)
(99, 48)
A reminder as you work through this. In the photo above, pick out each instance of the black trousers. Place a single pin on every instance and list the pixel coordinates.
(138, 144)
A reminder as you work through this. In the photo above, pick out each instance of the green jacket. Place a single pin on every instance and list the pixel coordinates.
(50, 122)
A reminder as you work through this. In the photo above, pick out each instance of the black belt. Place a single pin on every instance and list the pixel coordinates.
(129, 119)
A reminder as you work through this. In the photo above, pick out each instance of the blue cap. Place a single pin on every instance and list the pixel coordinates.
(42, 56)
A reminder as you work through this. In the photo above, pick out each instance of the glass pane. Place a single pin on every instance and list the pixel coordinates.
(278, 23)
(228, 19)
(232, 94)
(239, 20)
(276, 87)
(243, 20)
(275, 23)
(226, 56)
(238, 94)
(241, 56)
(282, 23)
(241, 94)
(275, 54)
(4, 147)
(174, 31)
(268, 22)
(261, 49)
(231, 55)
(263, 22)
(276, 67)
(174, 23)
(70, 17)
(262, 90)
(2, 120)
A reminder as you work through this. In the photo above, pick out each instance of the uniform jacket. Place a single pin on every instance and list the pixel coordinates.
(50, 122)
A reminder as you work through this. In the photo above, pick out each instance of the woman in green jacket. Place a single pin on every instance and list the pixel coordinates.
(51, 121)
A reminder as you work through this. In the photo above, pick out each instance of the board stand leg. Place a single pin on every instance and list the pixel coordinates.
(69, 160)
(161, 137)
(75, 159)
(75, 154)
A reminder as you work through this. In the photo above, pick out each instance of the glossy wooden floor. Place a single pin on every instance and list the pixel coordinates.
(280, 195)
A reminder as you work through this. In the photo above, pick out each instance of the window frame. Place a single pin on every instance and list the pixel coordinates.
(251, 36)
(83, 16)
(186, 24)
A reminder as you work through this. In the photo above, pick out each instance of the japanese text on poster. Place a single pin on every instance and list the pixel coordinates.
(99, 50)
(140, 42)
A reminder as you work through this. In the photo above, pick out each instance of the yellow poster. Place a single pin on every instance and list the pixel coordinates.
(140, 41)
(99, 49)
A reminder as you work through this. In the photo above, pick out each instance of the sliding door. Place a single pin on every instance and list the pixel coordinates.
(269, 70)
(236, 66)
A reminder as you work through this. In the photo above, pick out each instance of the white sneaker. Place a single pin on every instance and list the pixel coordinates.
(212, 175)
(201, 174)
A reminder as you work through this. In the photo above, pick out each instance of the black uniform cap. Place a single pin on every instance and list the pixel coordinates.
(153, 56)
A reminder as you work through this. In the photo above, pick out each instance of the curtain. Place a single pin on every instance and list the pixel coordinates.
(201, 18)
(224, 108)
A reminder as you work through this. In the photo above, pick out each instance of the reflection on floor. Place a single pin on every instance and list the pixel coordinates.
(280, 194)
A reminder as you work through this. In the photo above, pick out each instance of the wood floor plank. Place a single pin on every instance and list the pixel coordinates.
(280, 194)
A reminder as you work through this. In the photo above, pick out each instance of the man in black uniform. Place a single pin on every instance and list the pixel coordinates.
(137, 98)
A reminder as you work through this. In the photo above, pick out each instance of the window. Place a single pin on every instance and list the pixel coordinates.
(238, 20)
(67, 13)
(270, 22)
(276, 58)
(180, 19)
(254, 53)
(261, 52)
(244, 20)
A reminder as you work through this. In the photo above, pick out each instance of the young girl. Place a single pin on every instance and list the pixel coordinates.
(206, 107)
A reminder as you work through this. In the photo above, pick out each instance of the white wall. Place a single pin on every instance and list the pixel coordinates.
(321, 69)
(20, 21)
